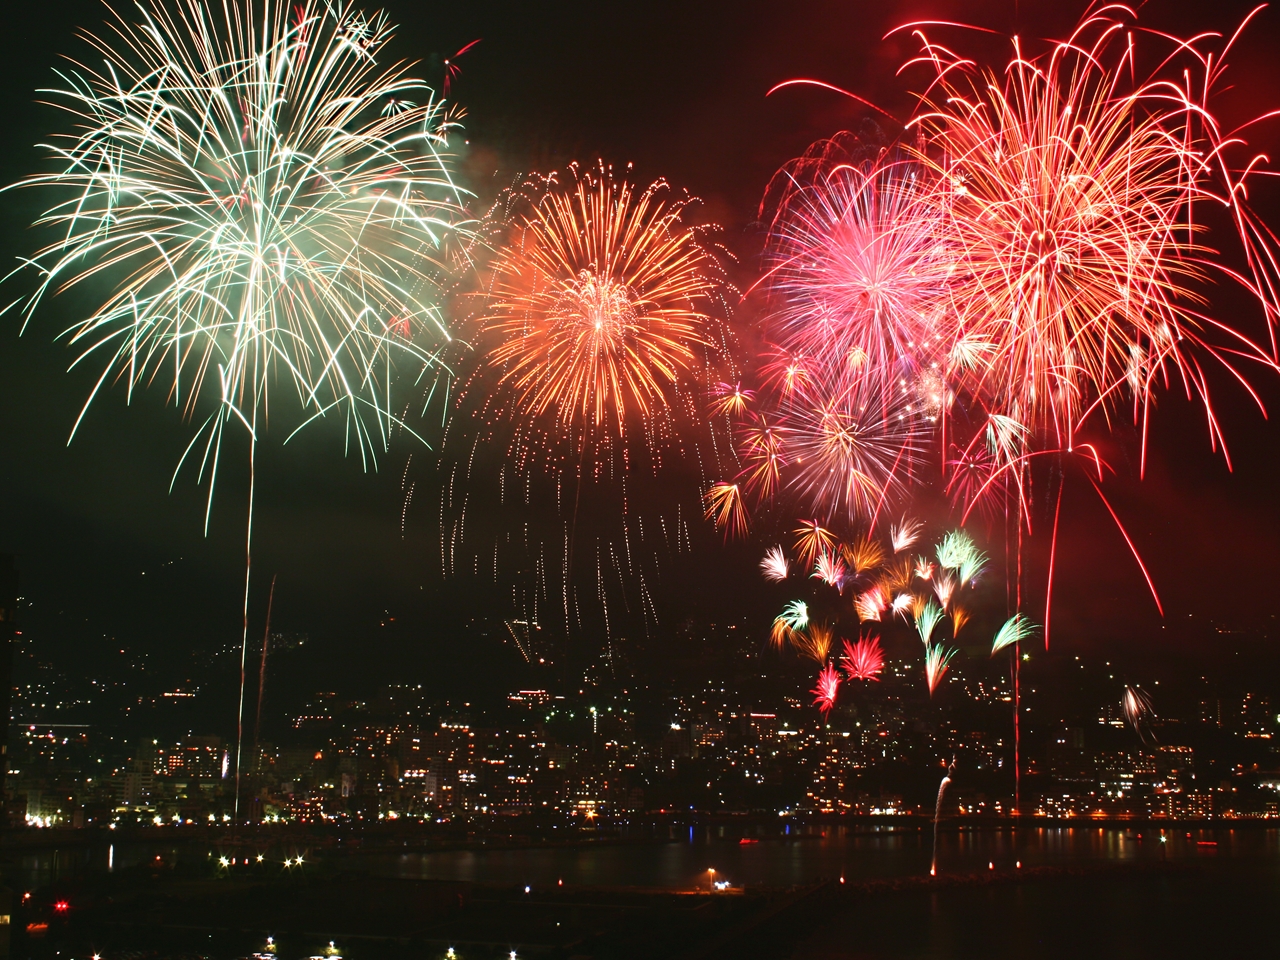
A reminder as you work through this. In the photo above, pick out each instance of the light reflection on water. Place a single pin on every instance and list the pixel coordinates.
(41, 866)
(681, 856)
(861, 853)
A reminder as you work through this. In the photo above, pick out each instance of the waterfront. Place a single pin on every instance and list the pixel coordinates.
(675, 856)
(999, 892)
(819, 852)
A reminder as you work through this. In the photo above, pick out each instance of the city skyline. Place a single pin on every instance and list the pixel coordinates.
(92, 520)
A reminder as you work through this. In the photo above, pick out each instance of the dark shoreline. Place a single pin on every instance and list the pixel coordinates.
(151, 914)
(375, 835)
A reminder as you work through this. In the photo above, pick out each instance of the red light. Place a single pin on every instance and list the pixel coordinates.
(62, 906)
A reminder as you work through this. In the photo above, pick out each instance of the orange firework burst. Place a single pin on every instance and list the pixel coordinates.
(814, 642)
(599, 304)
(813, 540)
(724, 506)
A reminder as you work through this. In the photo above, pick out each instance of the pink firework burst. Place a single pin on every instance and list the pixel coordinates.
(858, 264)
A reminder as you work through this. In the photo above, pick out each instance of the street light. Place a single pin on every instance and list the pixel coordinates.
(711, 879)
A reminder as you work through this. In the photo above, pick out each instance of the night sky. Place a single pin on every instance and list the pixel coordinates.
(678, 89)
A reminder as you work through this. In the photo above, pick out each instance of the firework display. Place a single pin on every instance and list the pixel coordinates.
(1070, 194)
(578, 446)
(268, 204)
(1138, 711)
(1026, 268)
(852, 584)
(1026, 263)
(825, 692)
(1012, 632)
(863, 660)
(950, 318)
(261, 214)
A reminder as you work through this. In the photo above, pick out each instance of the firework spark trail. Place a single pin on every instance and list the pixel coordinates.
(774, 566)
(1138, 711)
(863, 660)
(956, 550)
(871, 604)
(904, 534)
(732, 399)
(825, 692)
(830, 570)
(812, 541)
(927, 617)
(864, 555)
(726, 509)
(270, 203)
(1072, 193)
(813, 642)
(937, 659)
(944, 585)
(1012, 632)
(795, 615)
